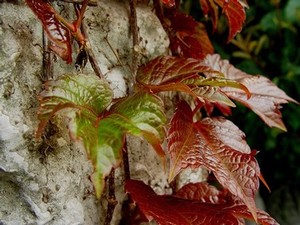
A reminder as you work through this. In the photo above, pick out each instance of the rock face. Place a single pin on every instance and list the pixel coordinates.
(48, 182)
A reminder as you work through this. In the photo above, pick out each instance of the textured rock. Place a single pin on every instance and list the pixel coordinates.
(48, 182)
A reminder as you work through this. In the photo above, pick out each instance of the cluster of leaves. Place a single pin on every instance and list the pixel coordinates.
(268, 45)
(101, 123)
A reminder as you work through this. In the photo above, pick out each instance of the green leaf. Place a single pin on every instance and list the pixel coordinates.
(102, 134)
(79, 92)
(140, 114)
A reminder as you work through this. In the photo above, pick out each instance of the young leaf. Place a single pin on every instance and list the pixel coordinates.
(102, 134)
(56, 32)
(266, 97)
(174, 210)
(188, 38)
(88, 97)
(102, 142)
(78, 92)
(141, 114)
(218, 145)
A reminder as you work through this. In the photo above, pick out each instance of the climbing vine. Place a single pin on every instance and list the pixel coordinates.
(194, 136)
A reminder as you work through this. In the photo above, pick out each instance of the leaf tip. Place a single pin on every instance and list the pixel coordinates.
(262, 179)
(98, 183)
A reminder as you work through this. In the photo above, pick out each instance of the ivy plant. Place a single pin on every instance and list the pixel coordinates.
(195, 137)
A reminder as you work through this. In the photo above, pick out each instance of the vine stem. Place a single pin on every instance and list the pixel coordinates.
(47, 59)
(91, 56)
(90, 3)
(159, 11)
(126, 161)
(111, 201)
(135, 37)
(127, 210)
(87, 46)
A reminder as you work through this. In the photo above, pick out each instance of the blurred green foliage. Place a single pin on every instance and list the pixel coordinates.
(269, 44)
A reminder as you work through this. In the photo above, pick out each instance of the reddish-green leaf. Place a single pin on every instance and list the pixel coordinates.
(78, 92)
(265, 98)
(141, 114)
(174, 210)
(188, 38)
(102, 134)
(103, 143)
(57, 33)
(86, 97)
(167, 73)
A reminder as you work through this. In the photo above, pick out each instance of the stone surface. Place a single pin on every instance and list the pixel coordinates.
(48, 182)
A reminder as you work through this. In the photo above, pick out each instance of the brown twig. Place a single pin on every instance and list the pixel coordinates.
(113, 51)
(126, 161)
(135, 36)
(47, 59)
(91, 57)
(112, 202)
(159, 11)
(91, 2)
(127, 209)
(126, 205)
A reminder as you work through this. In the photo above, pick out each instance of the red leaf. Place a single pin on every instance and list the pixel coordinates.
(182, 141)
(168, 69)
(265, 98)
(218, 145)
(165, 73)
(168, 3)
(173, 210)
(234, 169)
(188, 37)
(209, 8)
(56, 32)
(203, 192)
(207, 193)
(235, 14)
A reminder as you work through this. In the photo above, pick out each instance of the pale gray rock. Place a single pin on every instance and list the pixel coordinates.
(48, 182)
